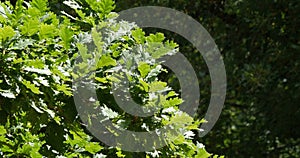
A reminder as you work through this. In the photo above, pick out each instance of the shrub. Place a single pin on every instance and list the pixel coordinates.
(43, 53)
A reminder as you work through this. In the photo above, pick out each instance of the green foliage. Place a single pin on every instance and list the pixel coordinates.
(106, 60)
(6, 33)
(144, 69)
(38, 52)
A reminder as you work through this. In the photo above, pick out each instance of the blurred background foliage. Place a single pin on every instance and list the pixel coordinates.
(259, 41)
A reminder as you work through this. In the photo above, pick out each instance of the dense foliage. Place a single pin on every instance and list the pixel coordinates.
(44, 50)
(259, 40)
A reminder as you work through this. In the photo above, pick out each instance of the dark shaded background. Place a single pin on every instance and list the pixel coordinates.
(260, 44)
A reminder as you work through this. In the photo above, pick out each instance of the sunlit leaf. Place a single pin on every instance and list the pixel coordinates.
(144, 69)
(41, 5)
(31, 86)
(158, 37)
(6, 33)
(138, 35)
(157, 86)
(64, 88)
(47, 31)
(66, 35)
(93, 147)
(30, 26)
(106, 60)
(2, 130)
